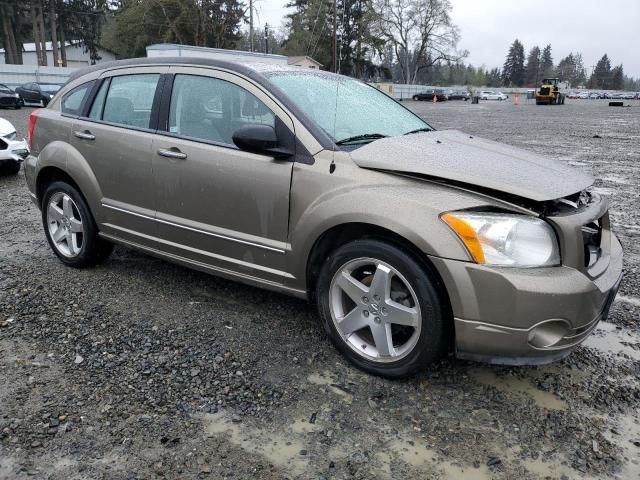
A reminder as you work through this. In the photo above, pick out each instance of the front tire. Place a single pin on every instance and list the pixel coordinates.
(416, 98)
(70, 228)
(381, 308)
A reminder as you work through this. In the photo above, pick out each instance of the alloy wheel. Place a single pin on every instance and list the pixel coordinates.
(375, 310)
(65, 224)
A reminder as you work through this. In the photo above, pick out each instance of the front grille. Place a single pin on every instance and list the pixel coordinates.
(544, 91)
(592, 238)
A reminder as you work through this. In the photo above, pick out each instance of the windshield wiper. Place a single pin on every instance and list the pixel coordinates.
(364, 136)
(418, 130)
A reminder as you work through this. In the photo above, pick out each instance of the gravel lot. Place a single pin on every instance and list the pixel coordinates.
(143, 369)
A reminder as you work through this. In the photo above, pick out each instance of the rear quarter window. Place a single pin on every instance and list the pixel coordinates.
(73, 101)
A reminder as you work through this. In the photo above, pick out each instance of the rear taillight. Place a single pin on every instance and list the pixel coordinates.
(32, 127)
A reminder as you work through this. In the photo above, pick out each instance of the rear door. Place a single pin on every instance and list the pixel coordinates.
(217, 204)
(114, 136)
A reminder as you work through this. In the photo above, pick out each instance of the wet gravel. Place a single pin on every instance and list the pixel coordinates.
(143, 369)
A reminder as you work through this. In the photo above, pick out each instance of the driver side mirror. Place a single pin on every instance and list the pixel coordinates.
(261, 139)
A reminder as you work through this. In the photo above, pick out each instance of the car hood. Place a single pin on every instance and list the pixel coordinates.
(459, 157)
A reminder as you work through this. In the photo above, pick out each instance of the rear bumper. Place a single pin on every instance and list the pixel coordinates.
(526, 316)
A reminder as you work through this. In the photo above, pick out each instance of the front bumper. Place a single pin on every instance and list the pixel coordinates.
(16, 151)
(532, 316)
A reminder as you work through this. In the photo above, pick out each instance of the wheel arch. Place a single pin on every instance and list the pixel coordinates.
(59, 160)
(344, 233)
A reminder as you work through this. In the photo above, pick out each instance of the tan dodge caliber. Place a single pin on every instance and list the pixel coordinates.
(413, 242)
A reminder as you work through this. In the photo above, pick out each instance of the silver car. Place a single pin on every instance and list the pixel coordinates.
(412, 242)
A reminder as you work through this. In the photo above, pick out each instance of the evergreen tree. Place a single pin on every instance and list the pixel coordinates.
(566, 69)
(617, 78)
(494, 78)
(513, 71)
(546, 63)
(533, 67)
(581, 73)
(310, 27)
(601, 76)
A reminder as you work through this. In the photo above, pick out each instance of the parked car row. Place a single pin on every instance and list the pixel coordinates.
(604, 95)
(32, 92)
(428, 95)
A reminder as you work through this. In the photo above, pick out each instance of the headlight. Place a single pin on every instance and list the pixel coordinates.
(504, 239)
(11, 136)
(50, 95)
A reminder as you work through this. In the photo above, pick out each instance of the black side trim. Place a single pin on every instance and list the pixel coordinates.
(88, 101)
(165, 103)
(156, 106)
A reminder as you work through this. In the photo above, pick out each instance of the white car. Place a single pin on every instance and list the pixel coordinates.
(490, 95)
(584, 95)
(12, 150)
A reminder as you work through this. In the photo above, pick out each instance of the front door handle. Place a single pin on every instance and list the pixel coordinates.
(85, 135)
(172, 153)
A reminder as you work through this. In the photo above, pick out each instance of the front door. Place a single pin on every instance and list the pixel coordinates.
(115, 139)
(216, 204)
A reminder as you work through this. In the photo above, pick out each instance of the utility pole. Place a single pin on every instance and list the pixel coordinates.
(266, 38)
(335, 45)
(251, 25)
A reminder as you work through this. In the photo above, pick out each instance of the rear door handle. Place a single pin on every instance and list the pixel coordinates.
(172, 153)
(85, 135)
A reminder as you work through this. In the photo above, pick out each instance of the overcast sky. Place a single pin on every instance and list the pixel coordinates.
(488, 27)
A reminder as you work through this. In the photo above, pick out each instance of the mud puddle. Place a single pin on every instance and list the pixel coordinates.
(608, 338)
(285, 450)
(519, 388)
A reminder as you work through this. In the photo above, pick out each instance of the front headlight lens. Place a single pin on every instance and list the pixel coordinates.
(505, 239)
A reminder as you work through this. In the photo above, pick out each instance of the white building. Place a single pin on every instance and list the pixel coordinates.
(305, 62)
(77, 56)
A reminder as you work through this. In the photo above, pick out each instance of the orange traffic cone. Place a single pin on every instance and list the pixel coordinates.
(435, 98)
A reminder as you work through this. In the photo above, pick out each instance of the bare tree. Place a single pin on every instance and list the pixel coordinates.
(421, 33)
(53, 25)
(43, 37)
(36, 32)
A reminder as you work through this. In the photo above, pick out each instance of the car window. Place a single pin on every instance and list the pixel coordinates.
(211, 109)
(130, 99)
(98, 102)
(72, 101)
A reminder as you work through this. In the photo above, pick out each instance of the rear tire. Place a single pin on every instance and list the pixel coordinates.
(416, 98)
(381, 308)
(70, 228)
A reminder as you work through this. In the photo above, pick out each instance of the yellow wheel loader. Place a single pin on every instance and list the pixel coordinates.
(550, 92)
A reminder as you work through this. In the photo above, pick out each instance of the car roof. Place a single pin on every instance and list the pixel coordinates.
(250, 69)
